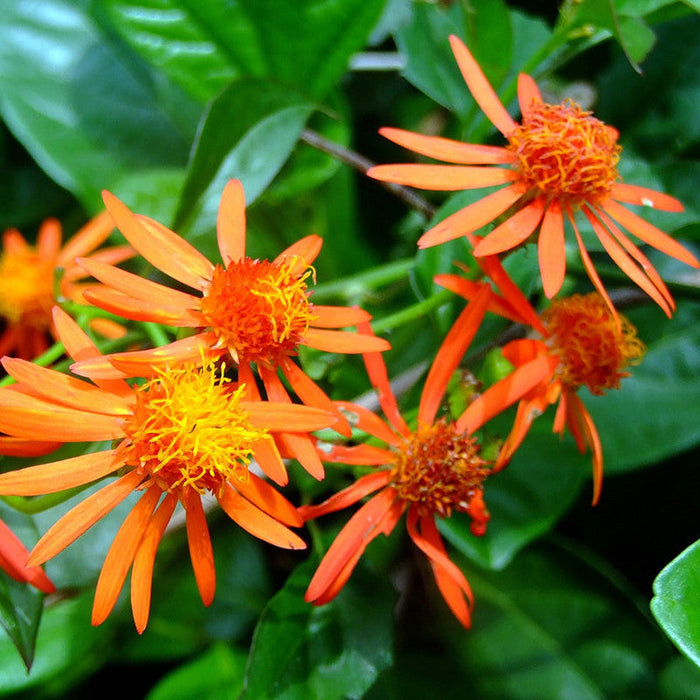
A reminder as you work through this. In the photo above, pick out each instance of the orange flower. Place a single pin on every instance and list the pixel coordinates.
(185, 432)
(427, 473)
(13, 561)
(28, 276)
(591, 346)
(560, 159)
(255, 312)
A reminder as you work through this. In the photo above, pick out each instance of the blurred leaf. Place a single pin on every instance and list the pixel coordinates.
(203, 46)
(86, 110)
(335, 651)
(550, 626)
(680, 679)
(68, 649)
(525, 500)
(675, 601)
(247, 132)
(215, 675)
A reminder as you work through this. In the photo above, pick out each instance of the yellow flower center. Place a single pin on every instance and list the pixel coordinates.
(26, 288)
(440, 470)
(593, 351)
(259, 309)
(188, 429)
(565, 153)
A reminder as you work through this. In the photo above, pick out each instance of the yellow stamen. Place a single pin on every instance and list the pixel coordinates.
(593, 351)
(440, 470)
(258, 309)
(565, 153)
(189, 430)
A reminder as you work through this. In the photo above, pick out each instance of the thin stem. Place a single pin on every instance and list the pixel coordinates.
(412, 312)
(376, 277)
(362, 164)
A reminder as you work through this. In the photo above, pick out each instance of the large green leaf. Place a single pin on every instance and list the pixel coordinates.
(247, 133)
(203, 46)
(551, 626)
(86, 109)
(330, 652)
(675, 601)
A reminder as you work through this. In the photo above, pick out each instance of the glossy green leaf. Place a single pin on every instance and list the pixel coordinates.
(86, 109)
(675, 601)
(554, 625)
(247, 133)
(217, 674)
(204, 46)
(330, 652)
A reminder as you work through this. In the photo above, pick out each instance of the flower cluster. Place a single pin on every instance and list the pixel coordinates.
(220, 409)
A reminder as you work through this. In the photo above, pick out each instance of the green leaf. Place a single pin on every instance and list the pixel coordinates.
(247, 133)
(331, 652)
(20, 613)
(215, 675)
(86, 110)
(680, 679)
(306, 44)
(675, 601)
(551, 626)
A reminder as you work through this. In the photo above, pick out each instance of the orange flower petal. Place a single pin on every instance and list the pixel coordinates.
(258, 523)
(447, 149)
(513, 231)
(481, 89)
(306, 249)
(13, 557)
(138, 287)
(121, 554)
(20, 447)
(473, 216)
(64, 389)
(528, 94)
(94, 233)
(83, 516)
(551, 250)
(506, 392)
(26, 416)
(269, 460)
(453, 585)
(344, 342)
(164, 249)
(369, 483)
(359, 531)
(199, 543)
(450, 353)
(648, 233)
(230, 223)
(142, 570)
(287, 418)
(365, 455)
(593, 439)
(634, 194)
(524, 417)
(136, 309)
(312, 395)
(48, 241)
(269, 500)
(442, 177)
(338, 316)
(59, 476)
(371, 423)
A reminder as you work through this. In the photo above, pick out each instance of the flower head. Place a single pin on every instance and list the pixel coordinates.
(185, 432)
(428, 472)
(559, 160)
(254, 313)
(586, 344)
(32, 275)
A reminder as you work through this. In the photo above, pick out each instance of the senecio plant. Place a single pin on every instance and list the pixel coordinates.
(326, 427)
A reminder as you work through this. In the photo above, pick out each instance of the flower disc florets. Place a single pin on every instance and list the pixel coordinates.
(26, 288)
(259, 309)
(594, 351)
(439, 470)
(188, 429)
(565, 154)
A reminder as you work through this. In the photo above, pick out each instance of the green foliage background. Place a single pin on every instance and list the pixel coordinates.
(161, 102)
